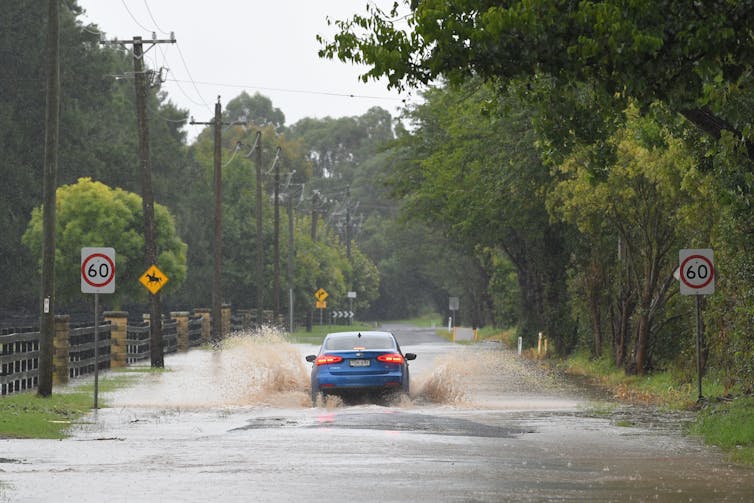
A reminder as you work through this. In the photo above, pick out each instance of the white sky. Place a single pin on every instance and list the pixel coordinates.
(227, 46)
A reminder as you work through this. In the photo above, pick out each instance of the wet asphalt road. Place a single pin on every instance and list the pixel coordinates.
(481, 426)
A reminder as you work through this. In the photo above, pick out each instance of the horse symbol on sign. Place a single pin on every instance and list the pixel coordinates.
(153, 279)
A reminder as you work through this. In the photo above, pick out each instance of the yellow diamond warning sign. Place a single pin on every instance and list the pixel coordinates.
(153, 279)
(321, 295)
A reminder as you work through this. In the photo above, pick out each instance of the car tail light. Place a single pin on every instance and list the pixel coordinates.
(391, 358)
(328, 359)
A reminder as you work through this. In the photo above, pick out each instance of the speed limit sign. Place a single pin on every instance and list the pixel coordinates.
(98, 270)
(697, 271)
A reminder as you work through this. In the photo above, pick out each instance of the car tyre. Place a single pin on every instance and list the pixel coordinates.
(316, 395)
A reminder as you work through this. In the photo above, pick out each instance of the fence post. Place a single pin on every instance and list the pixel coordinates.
(61, 349)
(206, 315)
(118, 333)
(226, 319)
(182, 329)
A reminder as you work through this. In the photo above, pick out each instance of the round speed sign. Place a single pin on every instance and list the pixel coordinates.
(697, 272)
(97, 270)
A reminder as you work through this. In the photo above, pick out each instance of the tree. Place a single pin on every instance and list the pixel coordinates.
(477, 174)
(696, 58)
(338, 146)
(92, 214)
(650, 198)
(256, 110)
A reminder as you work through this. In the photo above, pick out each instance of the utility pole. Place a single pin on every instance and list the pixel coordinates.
(291, 254)
(147, 197)
(141, 86)
(276, 244)
(260, 243)
(217, 295)
(315, 203)
(348, 222)
(47, 316)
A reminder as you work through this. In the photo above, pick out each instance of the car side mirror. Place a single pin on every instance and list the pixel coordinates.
(311, 358)
(410, 356)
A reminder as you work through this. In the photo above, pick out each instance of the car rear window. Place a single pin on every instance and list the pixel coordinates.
(350, 342)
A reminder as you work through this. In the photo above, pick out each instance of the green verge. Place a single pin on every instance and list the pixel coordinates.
(729, 425)
(657, 388)
(27, 415)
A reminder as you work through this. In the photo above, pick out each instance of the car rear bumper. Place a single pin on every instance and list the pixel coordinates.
(353, 382)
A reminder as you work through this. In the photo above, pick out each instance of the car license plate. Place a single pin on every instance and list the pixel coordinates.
(360, 363)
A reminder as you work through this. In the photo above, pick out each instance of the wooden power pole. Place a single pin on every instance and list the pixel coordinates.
(276, 238)
(260, 243)
(217, 291)
(142, 85)
(47, 316)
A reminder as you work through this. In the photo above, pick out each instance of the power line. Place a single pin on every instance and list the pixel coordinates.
(293, 91)
(134, 17)
(193, 82)
(180, 87)
(149, 11)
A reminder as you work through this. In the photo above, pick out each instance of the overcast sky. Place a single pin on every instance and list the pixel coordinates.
(227, 46)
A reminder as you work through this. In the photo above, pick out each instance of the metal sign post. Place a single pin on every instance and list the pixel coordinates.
(453, 304)
(696, 272)
(97, 276)
(351, 296)
(321, 296)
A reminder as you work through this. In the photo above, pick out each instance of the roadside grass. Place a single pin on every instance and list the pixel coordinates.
(658, 388)
(729, 425)
(428, 320)
(506, 336)
(27, 415)
(726, 423)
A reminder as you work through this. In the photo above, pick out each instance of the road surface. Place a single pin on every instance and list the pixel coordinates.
(481, 426)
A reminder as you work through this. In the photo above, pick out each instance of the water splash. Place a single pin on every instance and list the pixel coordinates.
(262, 368)
(251, 368)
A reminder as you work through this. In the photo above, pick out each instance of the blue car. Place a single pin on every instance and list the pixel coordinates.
(359, 362)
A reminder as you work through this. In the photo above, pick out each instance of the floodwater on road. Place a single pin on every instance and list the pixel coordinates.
(481, 425)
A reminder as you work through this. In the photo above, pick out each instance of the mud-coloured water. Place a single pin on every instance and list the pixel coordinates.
(237, 424)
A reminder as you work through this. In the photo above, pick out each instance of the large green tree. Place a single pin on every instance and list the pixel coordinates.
(89, 214)
(696, 57)
(651, 198)
(477, 174)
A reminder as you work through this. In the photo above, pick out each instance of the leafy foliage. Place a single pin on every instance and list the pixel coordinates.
(92, 214)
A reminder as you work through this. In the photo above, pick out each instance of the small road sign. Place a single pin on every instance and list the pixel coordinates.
(98, 270)
(153, 279)
(453, 303)
(697, 271)
(321, 295)
(321, 304)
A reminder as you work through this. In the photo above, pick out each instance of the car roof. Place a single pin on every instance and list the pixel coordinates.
(357, 332)
(359, 340)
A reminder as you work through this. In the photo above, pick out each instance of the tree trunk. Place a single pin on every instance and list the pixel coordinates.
(642, 340)
(620, 341)
(594, 313)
